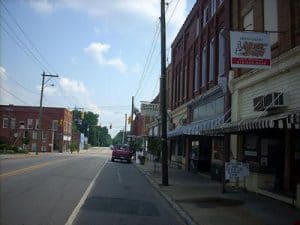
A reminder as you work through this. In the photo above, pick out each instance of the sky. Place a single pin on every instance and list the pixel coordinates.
(103, 51)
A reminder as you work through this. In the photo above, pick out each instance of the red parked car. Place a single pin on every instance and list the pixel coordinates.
(121, 152)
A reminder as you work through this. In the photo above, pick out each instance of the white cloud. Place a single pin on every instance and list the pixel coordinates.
(71, 86)
(98, 51)
(122, 9)
(43, 6)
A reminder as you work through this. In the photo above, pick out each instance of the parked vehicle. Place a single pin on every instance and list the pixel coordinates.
(122, 152)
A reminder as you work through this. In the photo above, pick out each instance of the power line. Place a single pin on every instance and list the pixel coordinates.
(148, 59)
(27, 37)
(27, 51)
(14, 95)
(155, 62)
(18, 83)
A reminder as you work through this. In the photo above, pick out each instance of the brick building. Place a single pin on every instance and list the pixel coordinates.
(199, 96)
(21, 122)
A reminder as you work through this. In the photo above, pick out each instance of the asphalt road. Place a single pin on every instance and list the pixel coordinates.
(122, 195)
(49, 188)
(45, 189)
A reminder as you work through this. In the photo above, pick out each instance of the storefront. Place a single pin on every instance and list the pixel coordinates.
(264, 127)
(205, 113)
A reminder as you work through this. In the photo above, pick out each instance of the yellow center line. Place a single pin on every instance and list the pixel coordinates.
(30, 168)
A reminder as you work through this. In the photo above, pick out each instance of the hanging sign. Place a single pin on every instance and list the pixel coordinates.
(148, 109)
(250, 50)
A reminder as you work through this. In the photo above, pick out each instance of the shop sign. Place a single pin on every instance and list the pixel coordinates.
(250, 50)
(149, 109)
(234, 170)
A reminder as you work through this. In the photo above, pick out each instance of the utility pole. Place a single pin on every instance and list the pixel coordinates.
(131, 122)
(41, 111)
(125, 128)
(163, 106)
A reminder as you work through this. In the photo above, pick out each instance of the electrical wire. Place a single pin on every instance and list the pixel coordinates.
(27, 37)
(14, 96)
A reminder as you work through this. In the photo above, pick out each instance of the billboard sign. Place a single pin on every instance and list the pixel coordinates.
(250, 50)
(149, 109)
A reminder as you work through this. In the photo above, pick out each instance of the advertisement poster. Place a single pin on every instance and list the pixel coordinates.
(250, 50)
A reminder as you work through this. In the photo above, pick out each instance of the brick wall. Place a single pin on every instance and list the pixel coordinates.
(23, 115)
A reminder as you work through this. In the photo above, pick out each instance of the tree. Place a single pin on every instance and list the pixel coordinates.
(97, 136)
(119, 138)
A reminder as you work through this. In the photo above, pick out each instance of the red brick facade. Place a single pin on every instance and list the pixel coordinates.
(187, 48)
(19, 122)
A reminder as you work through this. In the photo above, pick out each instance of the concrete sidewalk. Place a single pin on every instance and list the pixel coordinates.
(202, 202)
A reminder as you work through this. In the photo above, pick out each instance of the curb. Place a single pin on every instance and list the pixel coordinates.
(12, 157)
(183, 214)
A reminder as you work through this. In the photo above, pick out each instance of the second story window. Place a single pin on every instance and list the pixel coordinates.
(211, 60)
(198, 26)
(29, 123)
(54, 125)
(213, 7)
(196, 73)
(22, 125)
(205, 16)
(34, 135)
(37, 124)
(5, 122)
(271, 19)
(203, 75)
(221, 71)
(44, 135)
(13, 123)
(248, 21)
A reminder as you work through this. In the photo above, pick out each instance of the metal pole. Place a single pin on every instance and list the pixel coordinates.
(131, 122)
(163, 107)
(125, 128)
(41, 114)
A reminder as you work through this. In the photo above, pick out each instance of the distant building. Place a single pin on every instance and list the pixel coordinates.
(20, 123)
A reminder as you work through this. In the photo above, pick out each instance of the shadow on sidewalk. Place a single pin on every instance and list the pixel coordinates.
(202, 199)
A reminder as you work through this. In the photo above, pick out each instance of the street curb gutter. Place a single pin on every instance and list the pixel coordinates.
(184, 215)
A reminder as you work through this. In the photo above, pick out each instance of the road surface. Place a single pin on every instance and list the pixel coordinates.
(86, 188)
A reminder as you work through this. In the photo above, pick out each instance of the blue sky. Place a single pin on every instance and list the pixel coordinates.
(98, 48)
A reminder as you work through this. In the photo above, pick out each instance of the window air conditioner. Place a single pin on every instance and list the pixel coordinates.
(273, 100)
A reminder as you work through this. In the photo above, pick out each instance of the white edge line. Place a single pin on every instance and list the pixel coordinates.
(84, 197)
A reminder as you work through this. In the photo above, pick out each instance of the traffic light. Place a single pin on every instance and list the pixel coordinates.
(110, 126)
(129, 120)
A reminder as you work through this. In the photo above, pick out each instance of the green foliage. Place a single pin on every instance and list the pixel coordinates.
(74, 147)
(154, 146)
(137, 144)
(97, 136)
(25, 141)
(23, 151)
(8, 147)
(118, 138)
